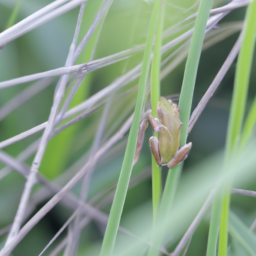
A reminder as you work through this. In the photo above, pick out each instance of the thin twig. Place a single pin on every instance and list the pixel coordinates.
(234, 4)
(27, 21)
(43, 143)
(69, 238)
(58, 196)
(103, 9)
(24, 155)
(227, 8)
(23, 96)
(100, 15)
(40, 127)
(94, 65)
(217, 80)
(184, 52)
(186, 250)
(166, 71)
(123, 80)
(243, 192)
(59, 232)
(69, 99)
(253, 226)
(39, 20)
(193, 225)
(85, 68)
(134, 181)
(212, 21)
(86, 181)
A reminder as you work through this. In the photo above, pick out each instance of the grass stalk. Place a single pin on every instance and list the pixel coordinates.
(214, 228)
(56, 155)
(155, 94)
(249, 125)
(192, 63)
(14, 15)
(237, 111)
(123, 182)
(185, 109)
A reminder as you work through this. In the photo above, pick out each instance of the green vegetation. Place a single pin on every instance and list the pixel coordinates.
(136, 52)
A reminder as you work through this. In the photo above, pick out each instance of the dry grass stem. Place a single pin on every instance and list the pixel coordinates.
(214, 85)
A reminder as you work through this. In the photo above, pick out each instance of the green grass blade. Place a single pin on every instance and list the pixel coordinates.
(250, 124)
(240, 92)
(155, 94)
(185, 109)
(242, 234)
(242, 78)
(165, 206)
(192, 63)
(214, 228)
(122, 186)
(223, 237)
(14, 15)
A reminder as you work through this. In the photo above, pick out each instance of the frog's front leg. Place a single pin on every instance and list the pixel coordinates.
(154, 147)
(161, 147)
(180, 155)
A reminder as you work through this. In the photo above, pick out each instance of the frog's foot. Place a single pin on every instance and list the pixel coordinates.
(154, 147)
(180, 155)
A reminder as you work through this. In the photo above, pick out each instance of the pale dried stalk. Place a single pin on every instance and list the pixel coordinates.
(69, 201)
(186, 250)
(243, 192)
(103, 9)
(84, 68)
(86, 181)
(217, 80)
(59, 93)
(125, 79)
(59, 232)
(226, 8)
(94, 65)
(24, 155)
(58, 196)
(40, 127)
(134, 181)
(27, 21)
(37, 19)
(23, 96)
(194, 224)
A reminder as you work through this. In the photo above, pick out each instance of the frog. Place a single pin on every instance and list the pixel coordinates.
(165, 148)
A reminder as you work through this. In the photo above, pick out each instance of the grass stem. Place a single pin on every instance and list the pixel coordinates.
(237, 111)
(185, 109)
(155, 94)
(124, 178)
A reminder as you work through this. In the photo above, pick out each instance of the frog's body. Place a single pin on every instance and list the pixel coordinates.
(165, 149)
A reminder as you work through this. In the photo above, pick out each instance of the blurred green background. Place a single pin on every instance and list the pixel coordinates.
(125, 26)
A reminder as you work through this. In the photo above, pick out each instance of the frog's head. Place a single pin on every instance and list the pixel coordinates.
(169, 116)
(166, 108)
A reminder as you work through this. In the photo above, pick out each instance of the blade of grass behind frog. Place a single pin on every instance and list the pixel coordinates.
(155, 94)
(123, 182)
(185, 109)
